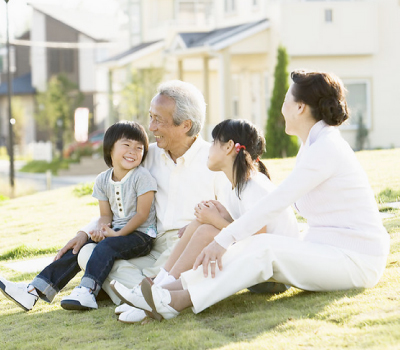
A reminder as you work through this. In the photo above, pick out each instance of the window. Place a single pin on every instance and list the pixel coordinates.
(235, 95)
(359, 103)
(61, 60)
(193, 11)
(230, 6)
(328, 16)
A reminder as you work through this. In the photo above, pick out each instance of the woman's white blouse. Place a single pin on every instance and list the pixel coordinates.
(330, 189)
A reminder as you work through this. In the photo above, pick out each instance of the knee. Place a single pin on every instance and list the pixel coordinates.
(84, 254)
(204, 232)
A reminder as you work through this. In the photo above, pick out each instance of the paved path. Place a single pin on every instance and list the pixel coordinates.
(39, 181)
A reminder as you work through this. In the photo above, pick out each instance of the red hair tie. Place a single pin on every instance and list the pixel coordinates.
(258, 159)
(238, 146)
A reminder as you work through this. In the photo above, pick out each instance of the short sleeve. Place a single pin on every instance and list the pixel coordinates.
(145, 182)
(99, 188)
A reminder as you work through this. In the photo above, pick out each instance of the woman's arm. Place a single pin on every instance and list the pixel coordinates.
(143, 207)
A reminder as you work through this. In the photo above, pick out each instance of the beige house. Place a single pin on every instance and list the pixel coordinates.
(228, 49)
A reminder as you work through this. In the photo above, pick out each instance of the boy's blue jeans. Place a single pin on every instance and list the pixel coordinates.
(56, 275)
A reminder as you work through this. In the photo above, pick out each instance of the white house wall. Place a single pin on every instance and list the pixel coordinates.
(87, 68)
(38, 54)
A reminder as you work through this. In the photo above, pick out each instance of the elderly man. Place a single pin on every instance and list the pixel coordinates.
(178, 162)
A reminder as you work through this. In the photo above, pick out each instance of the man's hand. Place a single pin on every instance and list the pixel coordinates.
(210, 255)
(75, 244)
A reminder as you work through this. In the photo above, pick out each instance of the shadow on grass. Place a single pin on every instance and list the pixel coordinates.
(240, 318)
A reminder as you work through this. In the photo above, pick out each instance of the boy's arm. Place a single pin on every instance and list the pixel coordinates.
(105, 220)
(143, 207)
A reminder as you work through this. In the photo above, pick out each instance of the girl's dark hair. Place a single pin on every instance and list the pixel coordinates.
(124, 129)
(324, 93)
(247, 160)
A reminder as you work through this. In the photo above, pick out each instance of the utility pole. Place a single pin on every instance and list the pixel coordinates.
(11, 121)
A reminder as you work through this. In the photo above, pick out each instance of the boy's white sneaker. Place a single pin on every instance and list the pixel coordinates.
(80, 299)
(18, 293)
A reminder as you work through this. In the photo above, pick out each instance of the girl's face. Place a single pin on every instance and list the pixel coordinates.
(127, 154)
(216, 156)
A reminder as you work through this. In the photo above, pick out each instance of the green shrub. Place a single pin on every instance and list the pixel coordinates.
(83, 189)
(41, 166)
(3, 198)
(388, 195)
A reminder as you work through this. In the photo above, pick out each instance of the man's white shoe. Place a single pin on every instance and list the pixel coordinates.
(132, 316)
(133, 297)
(80, 299)
(123, 308)
(18, 293)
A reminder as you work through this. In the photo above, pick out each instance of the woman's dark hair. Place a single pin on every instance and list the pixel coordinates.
(324, 93)
(124, 130)
(247, 160)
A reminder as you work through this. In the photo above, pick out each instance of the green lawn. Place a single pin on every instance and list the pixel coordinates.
(355, 319)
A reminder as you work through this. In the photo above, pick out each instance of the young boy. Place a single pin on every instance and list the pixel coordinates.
(127, 225)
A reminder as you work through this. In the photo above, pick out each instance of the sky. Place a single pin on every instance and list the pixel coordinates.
(20, 12)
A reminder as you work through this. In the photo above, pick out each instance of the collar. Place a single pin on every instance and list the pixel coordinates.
(124, 179)
(314, 132)
(188, 156)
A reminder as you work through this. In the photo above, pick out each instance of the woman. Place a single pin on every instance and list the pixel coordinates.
(346, 245)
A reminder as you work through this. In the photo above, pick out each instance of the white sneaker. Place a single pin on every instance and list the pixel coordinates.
(80, 299)
(133, 297)
(132, 316)
(18, 293)
(123, 308)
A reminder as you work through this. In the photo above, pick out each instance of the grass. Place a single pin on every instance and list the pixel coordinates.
(41, 166)
(354, 319)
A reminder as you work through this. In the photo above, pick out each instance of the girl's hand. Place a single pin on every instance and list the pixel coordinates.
(206, 213)
(210, 255)
(222, 210)
(97, 235)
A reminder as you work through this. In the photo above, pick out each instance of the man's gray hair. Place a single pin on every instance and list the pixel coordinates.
(189, 103)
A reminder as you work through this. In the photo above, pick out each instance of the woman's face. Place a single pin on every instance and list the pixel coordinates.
(290, 109)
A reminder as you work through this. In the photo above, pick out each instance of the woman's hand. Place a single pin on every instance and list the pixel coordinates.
(210, 255)
(206, 213)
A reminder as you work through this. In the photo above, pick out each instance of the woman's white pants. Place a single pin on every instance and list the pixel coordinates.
(302, 264)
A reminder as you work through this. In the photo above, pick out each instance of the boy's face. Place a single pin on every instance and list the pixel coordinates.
(127, 154)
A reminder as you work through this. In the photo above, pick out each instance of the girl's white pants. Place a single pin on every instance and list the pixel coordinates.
(302, 264)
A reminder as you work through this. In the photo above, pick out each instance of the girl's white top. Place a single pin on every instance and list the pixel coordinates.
(256, 188)
(330, 189)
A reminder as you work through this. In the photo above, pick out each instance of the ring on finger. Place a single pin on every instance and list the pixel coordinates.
(213, 262)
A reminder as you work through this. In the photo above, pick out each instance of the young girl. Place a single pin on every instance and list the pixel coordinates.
(235, 150)
(127, 224)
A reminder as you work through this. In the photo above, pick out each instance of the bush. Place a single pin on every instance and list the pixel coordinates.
(41, 166)
(388, 195)
(83, 189)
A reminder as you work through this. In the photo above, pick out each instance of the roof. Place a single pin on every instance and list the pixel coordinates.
(98, 27)
(20, 86)
(216, 36)
(130, 51)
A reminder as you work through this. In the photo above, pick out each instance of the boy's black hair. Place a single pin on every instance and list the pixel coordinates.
(247, 160)
(124, 129)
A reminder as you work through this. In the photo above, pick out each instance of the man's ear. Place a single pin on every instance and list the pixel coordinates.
(187, 125)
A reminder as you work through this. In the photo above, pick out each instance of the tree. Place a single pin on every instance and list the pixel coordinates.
(278, 143)
(137, 94)
(56, 108)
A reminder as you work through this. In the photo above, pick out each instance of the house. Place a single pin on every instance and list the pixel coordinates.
(228, 49)
(61, 40)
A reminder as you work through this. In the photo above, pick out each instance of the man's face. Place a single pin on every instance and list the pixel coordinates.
(168, 136)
